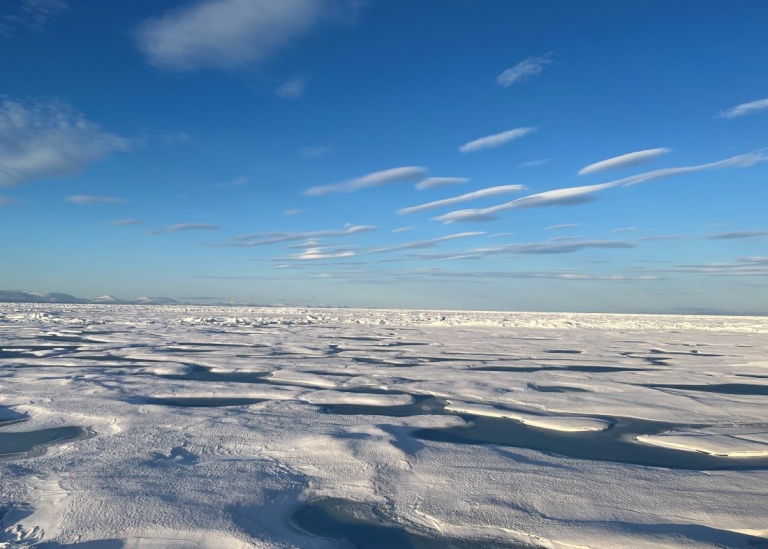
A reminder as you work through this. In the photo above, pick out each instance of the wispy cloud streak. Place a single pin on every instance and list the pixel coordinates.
(496, 140)
(124, 222)
(292, 89)
(534, 163)
(265, 239)
(475, 195)
(624, 161)
(420, 244)
(314, 151)
(375, 179)
(744, 267)
(525, 69)
(562, 226)
(559, 197)
(745, 108)
(241, 181)
(435, 182)
(536, 248)
(318, 253)
(328, 253)
(579, 195)
(738, 235)
(34, 14)
(180, 227)
(89, 199)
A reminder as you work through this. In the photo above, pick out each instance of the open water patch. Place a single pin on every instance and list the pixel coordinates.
(744, 389)
(616, 444)
(422, 405)
(582, 369)
(564, 351)
(16, 445)
(205, 373)
(202, 402)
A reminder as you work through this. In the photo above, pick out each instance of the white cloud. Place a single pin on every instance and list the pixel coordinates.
(319, 253)
(49, 140)
(186, 227)
(7, 201)
(401, 230)
(89, 199)
(231, 33)
(745, 108)
(563, 226)
(309, 243)
(375, 179)
(265, 239)
(624, 230)
(532, 66)
(579, 195)
(124, 222)
(495, 140)
(624, 161)
(534, 163)
(292, 89)
(558, 197)
(435, 182)
(314, 152)
(291, 213)
(482, 193)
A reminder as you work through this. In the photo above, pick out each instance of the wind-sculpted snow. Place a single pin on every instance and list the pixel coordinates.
(177, 427)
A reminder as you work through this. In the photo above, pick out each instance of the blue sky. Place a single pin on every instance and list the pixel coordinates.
(486, 154)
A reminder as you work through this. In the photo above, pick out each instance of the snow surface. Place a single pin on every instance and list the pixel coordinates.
(340, 397)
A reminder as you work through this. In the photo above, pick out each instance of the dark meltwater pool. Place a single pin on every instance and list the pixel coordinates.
(364, 526)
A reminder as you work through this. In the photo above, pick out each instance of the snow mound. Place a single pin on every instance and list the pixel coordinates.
(735, 446)
(555, 423)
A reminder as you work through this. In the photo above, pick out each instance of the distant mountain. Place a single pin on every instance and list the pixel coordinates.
(105, 299)
(22, 296)
(155, 301)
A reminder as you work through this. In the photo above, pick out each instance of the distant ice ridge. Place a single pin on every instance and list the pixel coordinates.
(291, 316)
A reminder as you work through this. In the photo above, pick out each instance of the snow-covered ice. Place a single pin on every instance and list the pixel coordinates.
(139, 426)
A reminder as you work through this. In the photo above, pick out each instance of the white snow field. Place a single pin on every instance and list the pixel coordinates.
(144, 427)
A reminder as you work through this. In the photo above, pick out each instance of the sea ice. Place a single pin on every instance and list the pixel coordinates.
(234, 427)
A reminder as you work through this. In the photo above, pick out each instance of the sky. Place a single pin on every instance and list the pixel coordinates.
(455, 154)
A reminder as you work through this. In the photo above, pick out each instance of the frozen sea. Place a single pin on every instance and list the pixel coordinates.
(149, 427)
